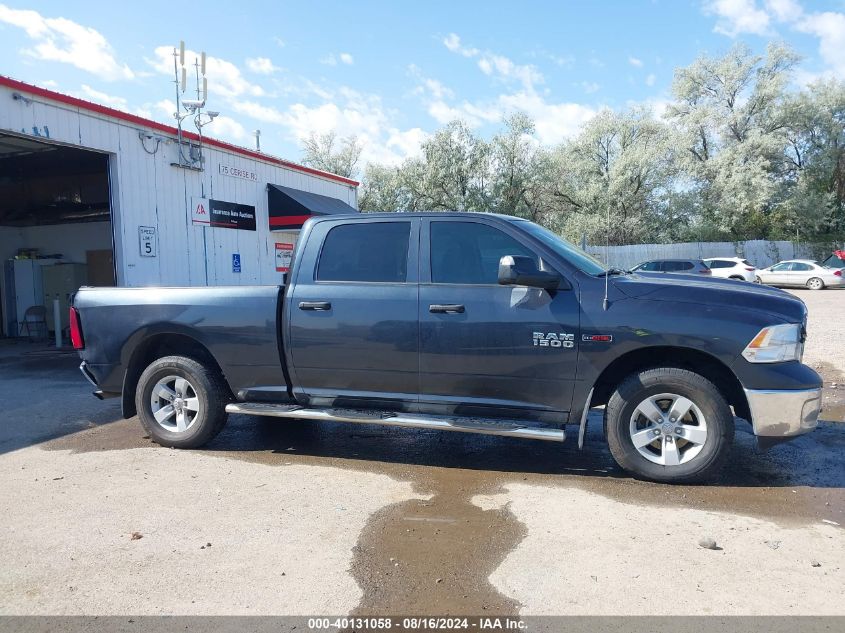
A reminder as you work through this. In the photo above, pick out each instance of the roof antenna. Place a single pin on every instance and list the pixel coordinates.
(606, 302)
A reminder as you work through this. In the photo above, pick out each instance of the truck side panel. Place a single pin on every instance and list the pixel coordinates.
(237, 325)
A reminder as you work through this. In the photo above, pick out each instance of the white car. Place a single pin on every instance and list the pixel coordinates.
(732, 268)
(804, 273)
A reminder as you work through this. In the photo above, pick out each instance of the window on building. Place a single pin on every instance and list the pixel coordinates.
(366, 251)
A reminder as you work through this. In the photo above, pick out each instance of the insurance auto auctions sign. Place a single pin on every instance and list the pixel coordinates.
(220, 214)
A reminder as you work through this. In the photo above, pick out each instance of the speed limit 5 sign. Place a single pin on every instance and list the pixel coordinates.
(147, 241)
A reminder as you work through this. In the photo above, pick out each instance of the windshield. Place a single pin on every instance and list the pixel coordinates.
(569, 252)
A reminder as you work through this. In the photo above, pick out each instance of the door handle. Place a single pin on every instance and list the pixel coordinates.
(320, 306)
(447, 308)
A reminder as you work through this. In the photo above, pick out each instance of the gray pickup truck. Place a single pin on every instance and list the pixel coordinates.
(463, 322)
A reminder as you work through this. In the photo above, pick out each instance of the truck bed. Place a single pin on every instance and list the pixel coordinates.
(237, 325)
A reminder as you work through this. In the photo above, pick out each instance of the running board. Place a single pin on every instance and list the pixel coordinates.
(485, 426)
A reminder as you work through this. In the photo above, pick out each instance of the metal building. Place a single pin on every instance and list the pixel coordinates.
(93, 195)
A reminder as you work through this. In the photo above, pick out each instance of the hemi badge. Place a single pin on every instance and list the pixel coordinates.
(597, 338)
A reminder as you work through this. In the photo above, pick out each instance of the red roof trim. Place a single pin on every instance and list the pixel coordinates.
(167, 129)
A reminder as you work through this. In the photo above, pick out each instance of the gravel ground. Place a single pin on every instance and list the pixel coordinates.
(825, 348)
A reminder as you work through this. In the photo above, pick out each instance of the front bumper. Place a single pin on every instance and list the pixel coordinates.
(784, 412)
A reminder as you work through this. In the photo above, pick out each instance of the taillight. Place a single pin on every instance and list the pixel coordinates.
(706, 272)
(749, 269)
(76, 330)
(838, 273)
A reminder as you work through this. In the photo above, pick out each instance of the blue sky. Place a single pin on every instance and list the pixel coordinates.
(393, 72)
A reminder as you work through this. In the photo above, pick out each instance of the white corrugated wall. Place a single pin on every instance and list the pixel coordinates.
(148, 191)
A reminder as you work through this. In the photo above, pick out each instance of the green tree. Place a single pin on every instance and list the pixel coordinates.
(328, 153)
(815, 160)
(612, 181)
(730, 119)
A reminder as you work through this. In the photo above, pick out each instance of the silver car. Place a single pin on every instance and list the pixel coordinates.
(803, 273)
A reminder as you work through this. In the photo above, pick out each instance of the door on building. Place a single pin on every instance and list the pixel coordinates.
(478, 354)
(353, 331)
(55, 222)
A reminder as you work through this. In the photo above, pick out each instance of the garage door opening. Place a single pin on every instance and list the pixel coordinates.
(55, 231)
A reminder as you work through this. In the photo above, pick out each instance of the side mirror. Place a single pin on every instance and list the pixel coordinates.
(515, 270)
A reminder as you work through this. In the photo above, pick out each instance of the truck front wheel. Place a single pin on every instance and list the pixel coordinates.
(670, 425)
(180, 402)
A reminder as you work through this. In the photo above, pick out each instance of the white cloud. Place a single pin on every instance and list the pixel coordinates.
(634, 61)
(428, 86)
(118, 103)
(554, 121)
(165, 108)
(739, 16)
(496, 65)
(65, 41)
(829, 27)
(224, 78)
(443, 113)
(590, 87)
(564, 61)
(784, 10)
(348, 113)
(453, 43)
(407, 143)
(745, 16)
(332, 60)
(649, 81)
(261, 65)
(226, 128)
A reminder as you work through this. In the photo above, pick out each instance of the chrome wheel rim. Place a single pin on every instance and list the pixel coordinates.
(174, 403)
(815, 284)
(668, 429)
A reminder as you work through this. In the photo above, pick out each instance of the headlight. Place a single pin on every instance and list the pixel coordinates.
(775, 344)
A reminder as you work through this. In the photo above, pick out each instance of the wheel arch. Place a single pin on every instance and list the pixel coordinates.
(157, 346)
(691, 359)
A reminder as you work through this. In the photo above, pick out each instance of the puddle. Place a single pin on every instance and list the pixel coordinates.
(434, 557)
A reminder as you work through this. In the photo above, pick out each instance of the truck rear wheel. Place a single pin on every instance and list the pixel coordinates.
(670, 425)
(180, 402)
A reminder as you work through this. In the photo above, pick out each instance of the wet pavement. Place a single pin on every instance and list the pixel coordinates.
(435, 556)
(435, 553)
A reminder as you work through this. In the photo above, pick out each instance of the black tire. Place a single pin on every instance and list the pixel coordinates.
(209, 388)
(634, 390)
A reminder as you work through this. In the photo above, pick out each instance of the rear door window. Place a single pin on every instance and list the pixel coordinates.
(718, 263)
(366, 252)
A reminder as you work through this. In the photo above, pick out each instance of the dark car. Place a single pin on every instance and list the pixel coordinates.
(685, 266)
(460, 322)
